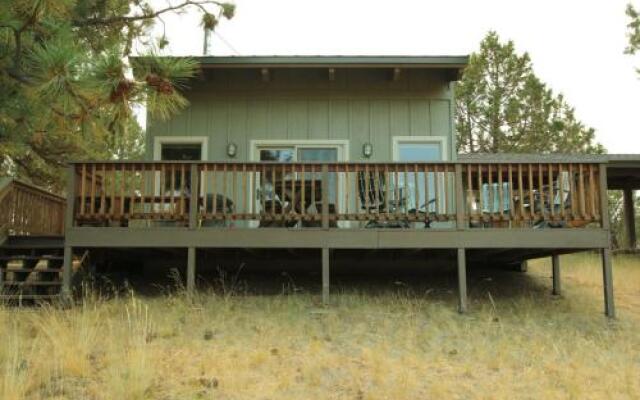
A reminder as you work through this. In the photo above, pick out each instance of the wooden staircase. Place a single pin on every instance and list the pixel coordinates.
(31, 243)
(30, 269)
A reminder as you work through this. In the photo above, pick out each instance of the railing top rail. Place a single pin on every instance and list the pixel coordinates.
(32, 188)
(543, 160)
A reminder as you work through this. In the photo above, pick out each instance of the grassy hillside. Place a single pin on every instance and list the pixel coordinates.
(399, 341)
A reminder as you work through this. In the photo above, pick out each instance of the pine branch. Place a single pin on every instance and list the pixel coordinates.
(145, 16)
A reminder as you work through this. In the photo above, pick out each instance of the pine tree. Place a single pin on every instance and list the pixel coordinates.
(503, 107)
(66, 84)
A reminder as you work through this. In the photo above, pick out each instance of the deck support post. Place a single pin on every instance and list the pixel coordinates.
(67, 259)
(555, 266)
(607, 278)
(191, 270)
(67, 270)
(325, 276)
(524, 266)
(630, 217)
(462, 281)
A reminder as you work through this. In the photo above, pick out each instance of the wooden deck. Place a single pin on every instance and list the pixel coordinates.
(506, 209)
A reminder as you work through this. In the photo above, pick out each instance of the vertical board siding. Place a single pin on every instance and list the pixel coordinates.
(358, 120)
(359, 106)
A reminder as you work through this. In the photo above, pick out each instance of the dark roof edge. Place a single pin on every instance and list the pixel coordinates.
(440, 61)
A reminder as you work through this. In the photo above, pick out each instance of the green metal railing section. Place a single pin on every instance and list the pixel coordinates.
(413, 195)
(29, 210)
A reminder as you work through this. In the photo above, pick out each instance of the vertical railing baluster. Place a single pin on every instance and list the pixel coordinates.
(561, 190)
(92, 202)
(182, 190)
(123, 176)
(133, 190)
(582, 193)
(592, 193)
(163, 185)
(551, 192)
(532, 199)
(405, 182)
(541, 192)
(303, 190)
(470, 196)
(112, 209)
(254, 198)
(224, 191)
(572, 192)
(347, 191)
(143, 173)
(480, 193)
(313, 190)
(500, 194)
(103, 190)
(205, 200)
(416, 184)
(173, 207)
(521, 192)
(325, 196)
(357, 183)
(491, 195)
(512, 212)
(214, 192)
(234, 188)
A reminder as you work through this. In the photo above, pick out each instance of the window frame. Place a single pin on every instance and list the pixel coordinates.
(440, 140)
(444, 184)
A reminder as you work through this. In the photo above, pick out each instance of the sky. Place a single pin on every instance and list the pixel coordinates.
(577, 46)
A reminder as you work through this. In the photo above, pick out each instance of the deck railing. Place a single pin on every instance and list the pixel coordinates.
(343, 195)
(29, 210)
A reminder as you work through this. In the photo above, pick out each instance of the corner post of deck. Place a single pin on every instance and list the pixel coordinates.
(460, 211)
(607, 273)
(630, 217)
(194, 205)
(67, 264)
(555, 266)
(325, 276)
(462, 281)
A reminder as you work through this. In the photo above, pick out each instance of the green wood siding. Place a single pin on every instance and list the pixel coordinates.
(300, 104)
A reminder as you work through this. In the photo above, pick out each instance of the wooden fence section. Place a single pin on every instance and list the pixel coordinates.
(28, 210)
(343, 195)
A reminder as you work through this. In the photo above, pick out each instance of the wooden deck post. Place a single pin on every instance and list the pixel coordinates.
(325, 275)
(191, 270)
(462, 281)
(630, 217)
(460, 203)
(67, 262)
(67, 269)
(607, 277)
(555, 266)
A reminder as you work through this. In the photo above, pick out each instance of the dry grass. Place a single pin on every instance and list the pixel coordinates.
(517, 342)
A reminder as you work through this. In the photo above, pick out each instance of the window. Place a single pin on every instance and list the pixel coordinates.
(178, 148)
(303, 150)
(420, 149)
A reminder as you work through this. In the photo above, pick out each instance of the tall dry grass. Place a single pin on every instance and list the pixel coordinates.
(518, 341)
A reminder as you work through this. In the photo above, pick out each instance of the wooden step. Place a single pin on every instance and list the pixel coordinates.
(20, 257)
(31, 283)
(48, 270)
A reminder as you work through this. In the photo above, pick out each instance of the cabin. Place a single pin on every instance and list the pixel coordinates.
(316, 154)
